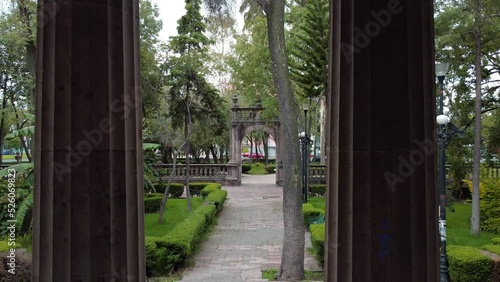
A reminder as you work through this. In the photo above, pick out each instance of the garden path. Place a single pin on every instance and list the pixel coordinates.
(248, 235)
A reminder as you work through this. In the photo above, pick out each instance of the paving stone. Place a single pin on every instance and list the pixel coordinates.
(248, 236)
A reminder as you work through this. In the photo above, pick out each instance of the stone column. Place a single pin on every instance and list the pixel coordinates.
(382, 198)
(88, 203)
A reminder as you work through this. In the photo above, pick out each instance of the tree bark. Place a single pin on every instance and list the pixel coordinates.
(2, 122)
(475, 220)
(292, 259)
(187, 130)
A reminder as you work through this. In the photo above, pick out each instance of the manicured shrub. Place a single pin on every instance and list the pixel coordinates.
(311, 213)
(176, 190)
(270, 169)
(492, 248)
(496, 241)
(195, 188)
(468, 264)
(245, 168)
(318, 241)
(152, 195)
(317, 190)
(490, 202)
(210, 188)
(152, 204)
(218, 197)
(167, 253)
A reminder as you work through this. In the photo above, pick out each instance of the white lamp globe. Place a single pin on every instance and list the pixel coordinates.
(442, 119)
(302, 134)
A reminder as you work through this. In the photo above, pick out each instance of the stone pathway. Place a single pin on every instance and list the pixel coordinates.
(248, 236)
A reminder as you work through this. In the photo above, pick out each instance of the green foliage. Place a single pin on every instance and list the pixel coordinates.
(270, 274)
(169, 252)
(317, 202)
(311, 213)
(210, 188)
(318, 241)
(245, 168)
(490, 205)
(492, 248)
(218, 197)
(270, 169)
(458, 228)
(176, 212)
(257, 169)
(196, 187)
(496, 240)
(176, 190)
(152, 204)
(467, 264)
(309, 48)
(317, 189)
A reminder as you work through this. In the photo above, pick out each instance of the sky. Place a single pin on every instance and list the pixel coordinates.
(173, 10)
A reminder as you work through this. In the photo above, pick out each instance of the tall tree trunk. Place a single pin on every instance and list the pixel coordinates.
(2, 122)
(18, 127)
(266, 148)
(323, 114)
(187, 130)
(475, 220)
(214, 154)
(292, 259)
(251, 148)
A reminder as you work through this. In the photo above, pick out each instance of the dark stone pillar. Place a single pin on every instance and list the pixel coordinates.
(88, 210)
(382, 200)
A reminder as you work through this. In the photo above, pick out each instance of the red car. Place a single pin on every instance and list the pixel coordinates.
(254, 156)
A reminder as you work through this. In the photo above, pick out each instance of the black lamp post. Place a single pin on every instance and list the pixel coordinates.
(443, 135)
(304, 142)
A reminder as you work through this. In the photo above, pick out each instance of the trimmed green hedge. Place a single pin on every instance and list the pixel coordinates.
(311, 213)
(152, 195)
(318, 241)
(496, 241)
(210, 188)
(176, 190)
(270, 169)
(167, 253)
(492, 249)
(164, 254)
(152, 204)
(245, 168)
(317, 189)
(196, 187)
(468, 264)
(218, 197)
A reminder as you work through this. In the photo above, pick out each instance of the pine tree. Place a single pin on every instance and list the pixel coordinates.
(190, 95)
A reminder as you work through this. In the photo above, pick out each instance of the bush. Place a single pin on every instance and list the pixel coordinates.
(311, 213)
(152, 195)
(195, 188)
(176, 190)
(318, 241)
(496, 241)
(270, 169)
(167, 253)
(152, 204)
(490, 203)
(492, 249)
(245, 168)
(218, 197)
(468, 264)
(210, 188)
(317, 189)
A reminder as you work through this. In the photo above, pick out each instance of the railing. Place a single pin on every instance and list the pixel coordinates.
(317, 174)
(215, 171)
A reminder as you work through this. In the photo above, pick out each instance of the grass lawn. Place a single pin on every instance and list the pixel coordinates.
(458, 228)
(176, 212)
(310, 275)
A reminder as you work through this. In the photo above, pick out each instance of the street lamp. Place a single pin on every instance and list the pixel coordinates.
(441, 71)
(442, 120)
(304, 141)
(446, 130)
